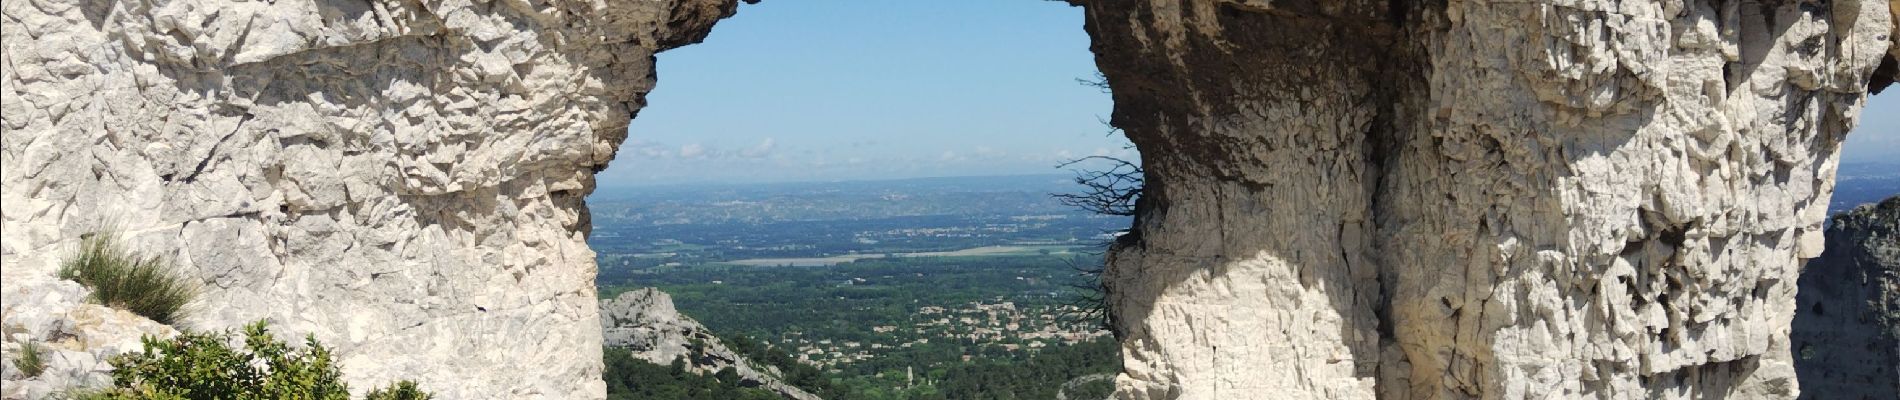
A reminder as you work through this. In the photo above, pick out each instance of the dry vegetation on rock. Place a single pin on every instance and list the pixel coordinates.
(123, 279)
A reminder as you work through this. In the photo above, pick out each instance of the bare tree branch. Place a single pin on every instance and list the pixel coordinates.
(1100, 82)
(1111, 191)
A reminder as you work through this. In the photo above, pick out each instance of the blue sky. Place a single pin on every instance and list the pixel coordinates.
(847, 90)
(1877, 139)
(837, 90)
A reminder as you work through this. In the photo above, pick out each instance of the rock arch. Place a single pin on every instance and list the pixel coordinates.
(1351, 199)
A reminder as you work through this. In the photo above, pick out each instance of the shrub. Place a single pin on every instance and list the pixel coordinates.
(125, 280)
(29, 362)
(198, 365)
(401, 390)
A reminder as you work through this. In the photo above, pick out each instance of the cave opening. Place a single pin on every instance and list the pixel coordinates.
(872, 199)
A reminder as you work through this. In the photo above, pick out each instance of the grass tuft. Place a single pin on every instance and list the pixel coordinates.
(123, 279)
(30, 362)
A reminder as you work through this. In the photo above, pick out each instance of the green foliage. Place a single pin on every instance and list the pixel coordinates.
(401, 390)
(814, 300)
(1039, 377)
(123, 279)
(630, 378)
(798, 374)
(197, 365)
(29, 362)
(814, 303)
(203, 366)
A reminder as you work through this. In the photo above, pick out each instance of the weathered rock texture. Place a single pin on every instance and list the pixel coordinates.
(403, 179)
(1847, 329)
(1475, 199)
(645, 323)
(1348, 199)
(74, 338)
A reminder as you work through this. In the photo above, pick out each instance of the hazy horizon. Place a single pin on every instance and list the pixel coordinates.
(784, 92)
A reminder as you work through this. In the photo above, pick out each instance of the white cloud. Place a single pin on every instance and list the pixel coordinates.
(645, 149)
(762, 149)
(693, 150)
(989, 153)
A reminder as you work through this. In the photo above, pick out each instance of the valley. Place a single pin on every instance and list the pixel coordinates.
(942, 288)
(881, 290)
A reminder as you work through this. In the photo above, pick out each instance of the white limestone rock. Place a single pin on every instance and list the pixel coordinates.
(1475, 199)
(1346, 199)
(644, 322)
(74, 337)
(402, 179)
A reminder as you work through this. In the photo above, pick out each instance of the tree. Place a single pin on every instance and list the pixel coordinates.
(1115, 190)
(1109, 191)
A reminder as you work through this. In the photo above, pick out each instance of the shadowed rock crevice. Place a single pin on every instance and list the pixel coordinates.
(1847, 332)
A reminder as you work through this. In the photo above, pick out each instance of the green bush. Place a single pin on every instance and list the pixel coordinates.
(29, 362)
(401, 390)
(631, 378)
(125, 280)
(202, 366)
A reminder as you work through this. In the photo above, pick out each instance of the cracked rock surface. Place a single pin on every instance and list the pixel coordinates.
(403, 178)
(1346, 199)
(1475, 199)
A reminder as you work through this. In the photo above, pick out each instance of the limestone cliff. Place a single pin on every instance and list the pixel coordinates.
(1847, 329)
(404, 179)
(645, 323)
(1475, 199)
(1347, 199)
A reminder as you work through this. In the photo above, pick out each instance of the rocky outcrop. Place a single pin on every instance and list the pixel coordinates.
(73, 337)
(1346, 199)
(403, 179)
(1473, 199)
(645, 323)
(1847, 329)
(1889, 69)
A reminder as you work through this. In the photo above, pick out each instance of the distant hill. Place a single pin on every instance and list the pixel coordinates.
(822, 201)
(644, 323)
(1863, 183)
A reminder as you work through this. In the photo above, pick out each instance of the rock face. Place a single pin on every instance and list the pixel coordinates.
(1847, 330)
(74, 338)
(1347, 199)
(645, 323)
(1471, 199)
(403, 179)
